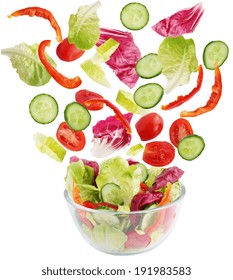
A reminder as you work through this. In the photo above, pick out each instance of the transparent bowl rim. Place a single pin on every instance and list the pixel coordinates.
(80, 207)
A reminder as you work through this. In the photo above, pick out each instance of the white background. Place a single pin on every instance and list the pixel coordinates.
(36, 227)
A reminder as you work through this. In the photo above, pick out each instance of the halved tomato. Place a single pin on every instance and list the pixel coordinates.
(69, 138)
(179, 129)
(158, 153)
(84, 95)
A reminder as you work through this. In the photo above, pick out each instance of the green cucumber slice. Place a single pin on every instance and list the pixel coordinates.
(134, 16)
(77, 116)
(43, 108)
(143, 171)
(112, 193)
(215, 53)
(148, 66)
(191, 146)
(149, 95)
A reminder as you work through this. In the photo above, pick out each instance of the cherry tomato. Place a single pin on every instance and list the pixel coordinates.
(71, 139)
(84, 95)
(158, 153)
(68, 52)
(179, 129)
(149, 126)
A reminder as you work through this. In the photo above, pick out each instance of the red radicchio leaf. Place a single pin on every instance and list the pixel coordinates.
(110, 136)
(141, 200)
(124, 59)
(182, 22)
(171, 174)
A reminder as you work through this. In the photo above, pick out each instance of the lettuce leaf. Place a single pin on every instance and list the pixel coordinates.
(177, 56)
(110, 136)
(123, 60)
(182, 22)
(24, 58)
(117, 170)
(84, 30)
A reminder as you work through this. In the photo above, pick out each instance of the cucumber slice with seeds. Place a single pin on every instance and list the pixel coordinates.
(148, 66)
(43, 108)
(215, 53)
(191, 146)
(111, 193)
(77, 116)
(134, 16)
(149, 95)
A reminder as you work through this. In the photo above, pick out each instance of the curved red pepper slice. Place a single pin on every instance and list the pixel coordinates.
(43, 13)
(184, 98)
(213, 100)
(58, 77)
(117, 112)
(92, 205)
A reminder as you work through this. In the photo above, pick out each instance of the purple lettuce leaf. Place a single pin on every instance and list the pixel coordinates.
(124, 59)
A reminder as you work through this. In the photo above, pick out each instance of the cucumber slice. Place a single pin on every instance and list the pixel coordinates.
(77, 116)
(215, 53)
(134, 16)
(149, 95)
(112, 193)
(191, 146)
(43, 108)
(143, 170)
(148, 66)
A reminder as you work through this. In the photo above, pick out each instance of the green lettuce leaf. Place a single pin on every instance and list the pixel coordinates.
(89, 192)
(109, 238)
(84, 30)
(25, 60)
(152, 173)
(82, 176)
(117, 170)
(177, 56)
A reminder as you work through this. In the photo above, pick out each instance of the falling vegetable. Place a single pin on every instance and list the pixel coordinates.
(40, 12)
(69, 83)
(117, 112)
(213, 100)
(184, 21)
(184, 98)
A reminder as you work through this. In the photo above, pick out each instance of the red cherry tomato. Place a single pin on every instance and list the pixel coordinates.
(158, 153)
(84, 95)
(71, 139)
(68, 52)
(149, 126)
(178, 130)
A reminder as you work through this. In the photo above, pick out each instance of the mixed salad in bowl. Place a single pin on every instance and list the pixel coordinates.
(121, 206)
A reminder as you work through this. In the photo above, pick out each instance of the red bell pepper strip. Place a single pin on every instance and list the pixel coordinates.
(213, 100)
(143, 187)
(184, 98)
(58, 77)
(92, 205)
(117, 112)
(43, 13)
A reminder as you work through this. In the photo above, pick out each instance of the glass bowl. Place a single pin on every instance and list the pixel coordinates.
(121, 233)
